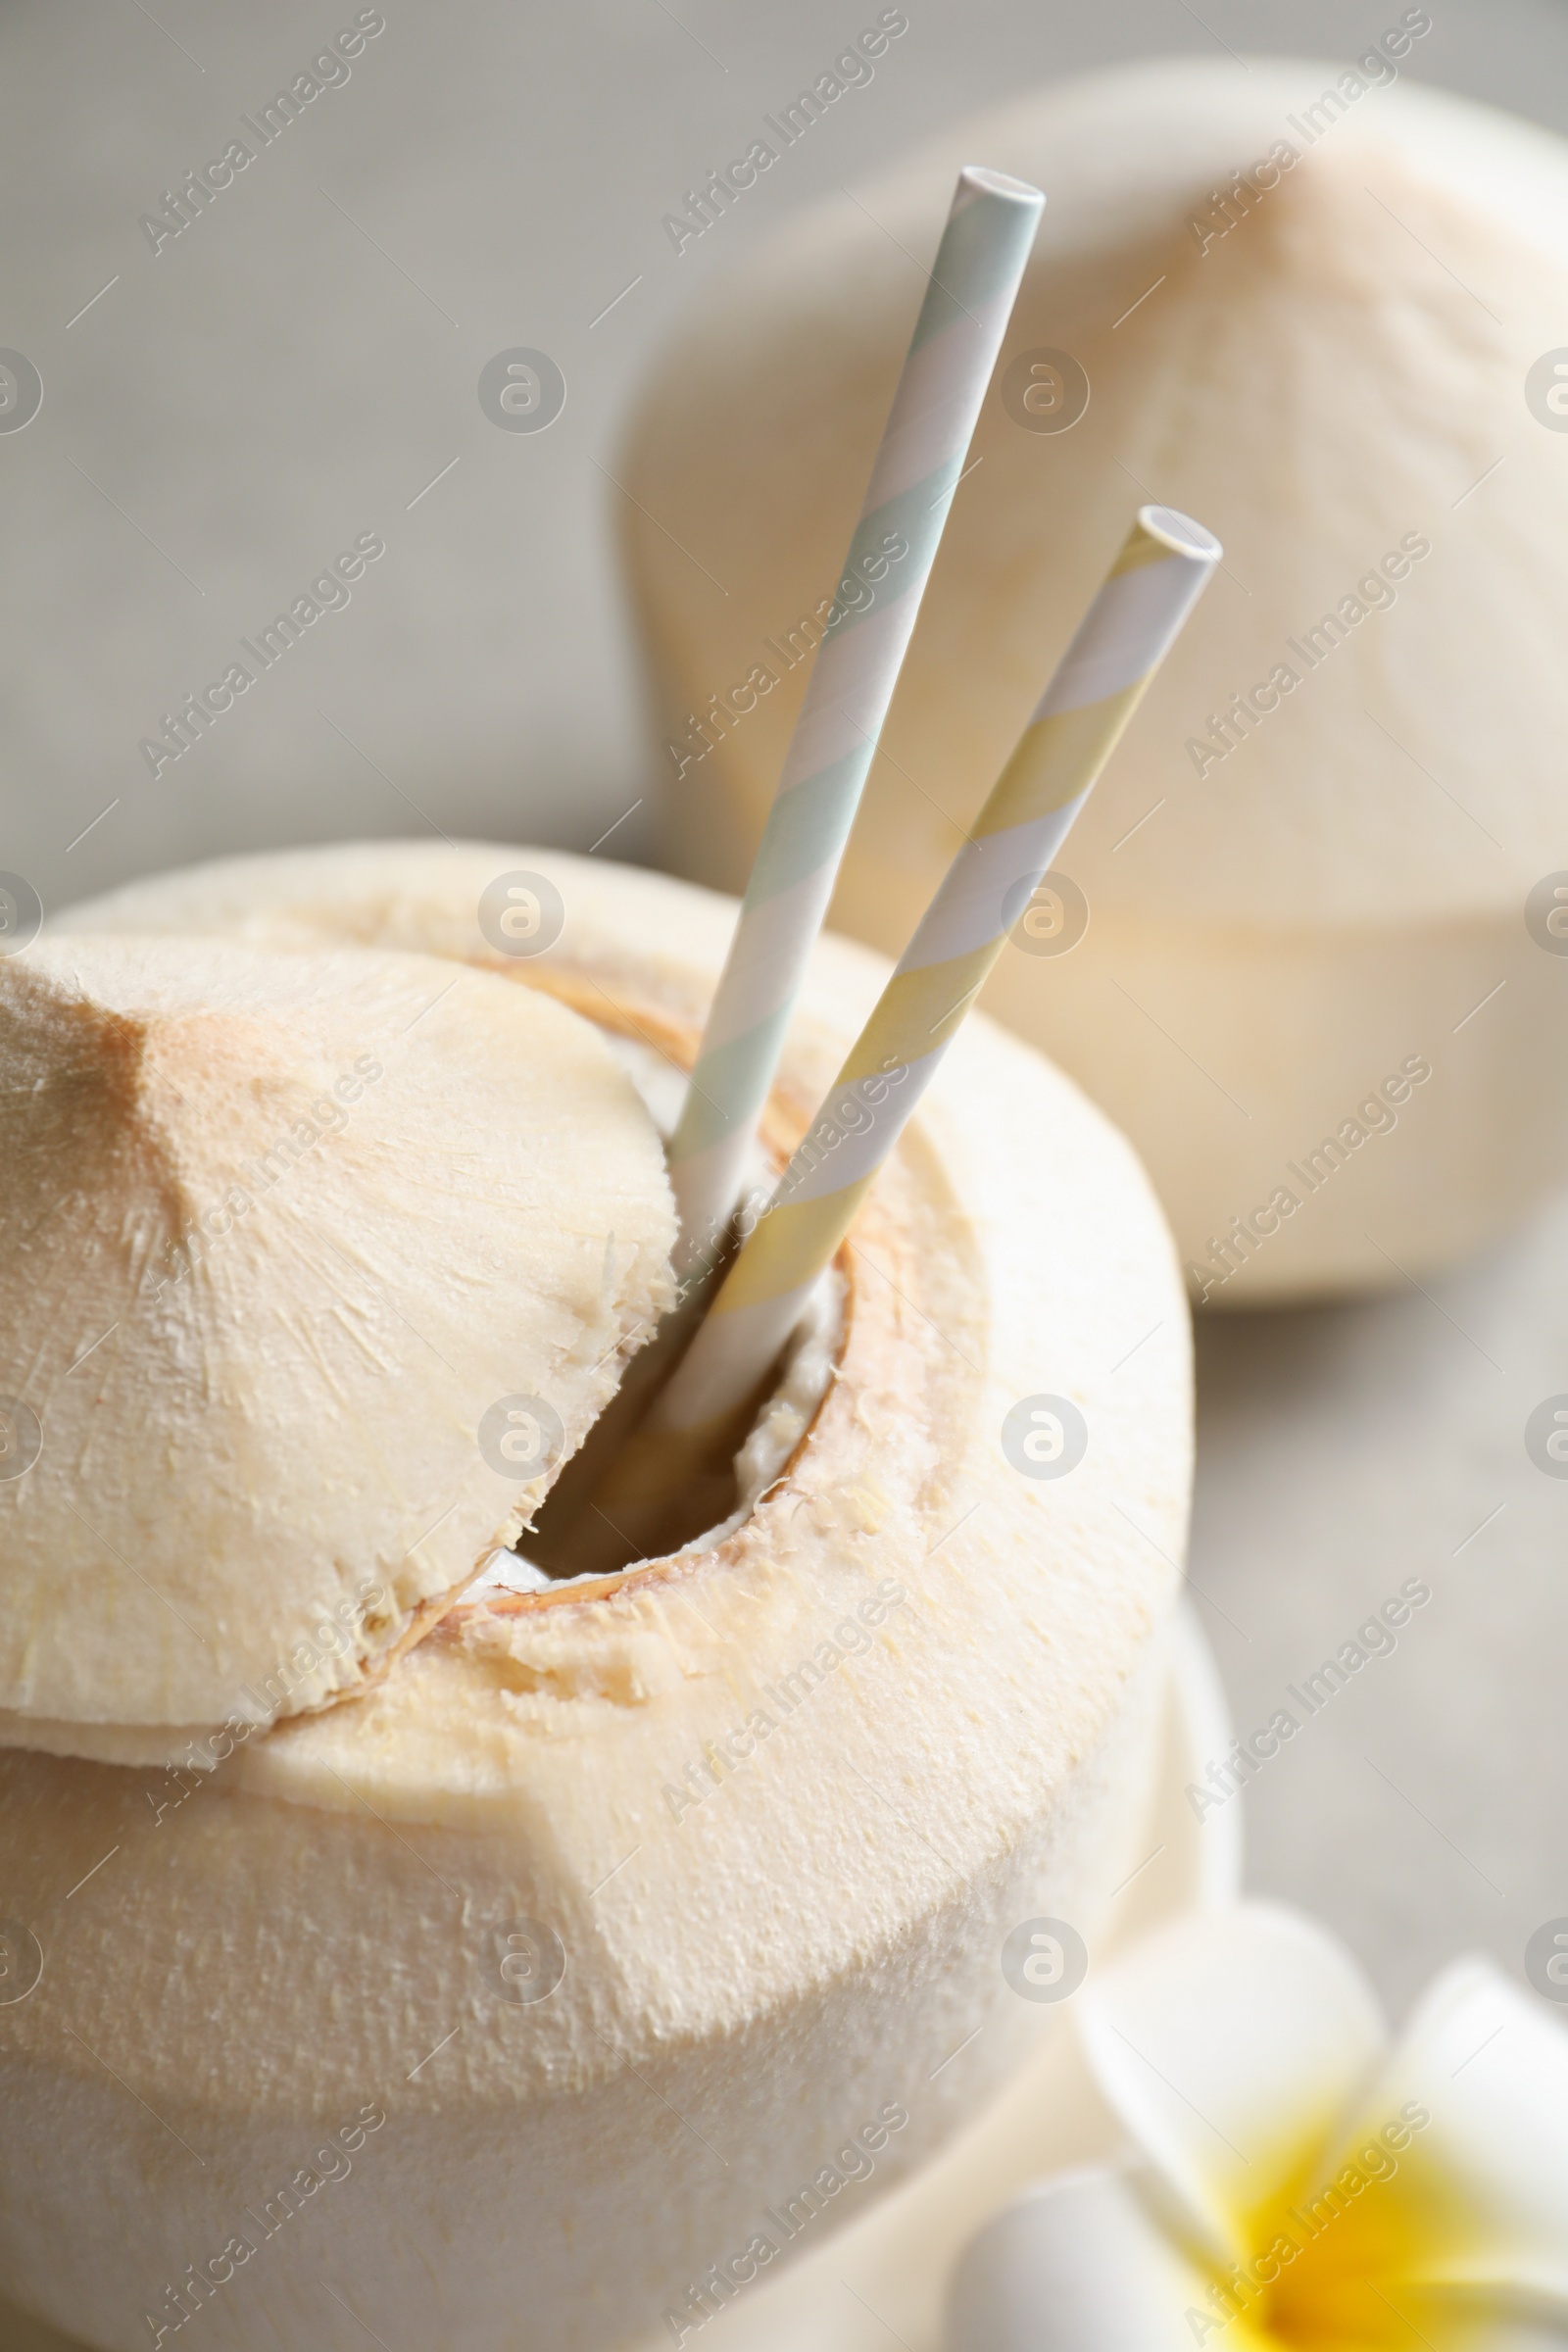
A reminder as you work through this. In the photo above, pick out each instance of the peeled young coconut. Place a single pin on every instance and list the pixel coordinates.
(1327, 315)
(626, 1935)
(286, 1237)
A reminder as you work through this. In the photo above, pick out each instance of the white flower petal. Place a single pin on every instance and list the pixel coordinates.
(1078, 2264)
(1230, 2045)
(1479, 2203)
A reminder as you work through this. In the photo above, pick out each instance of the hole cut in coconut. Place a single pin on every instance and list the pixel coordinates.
(541, 1563)
(561, 1555)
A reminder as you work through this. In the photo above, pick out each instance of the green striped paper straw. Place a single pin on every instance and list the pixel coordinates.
(1156, 579)
(962, 319)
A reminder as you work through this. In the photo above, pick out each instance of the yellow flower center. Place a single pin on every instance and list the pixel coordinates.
(1333, 2262)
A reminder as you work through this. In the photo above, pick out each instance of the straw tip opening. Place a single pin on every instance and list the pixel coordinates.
(1180, 533)
(980, 181)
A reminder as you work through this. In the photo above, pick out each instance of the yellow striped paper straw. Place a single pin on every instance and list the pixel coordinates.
(1125, 635)
(968, 301)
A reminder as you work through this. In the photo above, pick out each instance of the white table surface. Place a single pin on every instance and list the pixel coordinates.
(1425, 1809)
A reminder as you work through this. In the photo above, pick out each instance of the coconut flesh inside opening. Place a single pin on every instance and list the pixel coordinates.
(544, 1559)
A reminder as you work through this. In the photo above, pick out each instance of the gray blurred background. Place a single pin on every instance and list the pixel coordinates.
(299, 366)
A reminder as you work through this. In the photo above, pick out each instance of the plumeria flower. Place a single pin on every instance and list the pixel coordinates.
(1297, 2181)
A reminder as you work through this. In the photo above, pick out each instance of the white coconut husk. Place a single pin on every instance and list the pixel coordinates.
(281, 1230)
(771, 1808)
